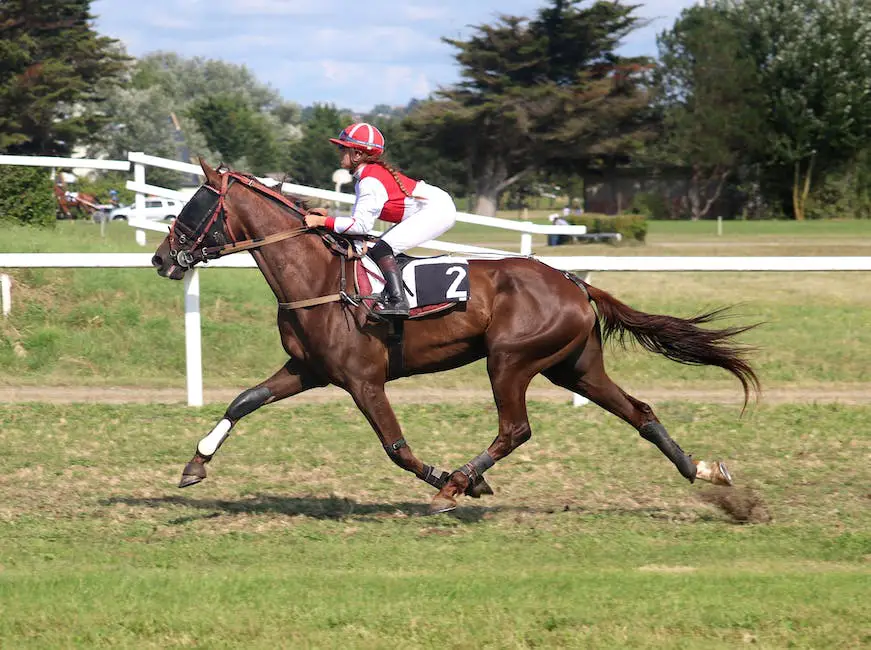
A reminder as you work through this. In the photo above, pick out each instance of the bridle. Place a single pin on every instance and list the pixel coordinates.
(190, 230)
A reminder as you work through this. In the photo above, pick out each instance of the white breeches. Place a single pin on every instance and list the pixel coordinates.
(435, 217)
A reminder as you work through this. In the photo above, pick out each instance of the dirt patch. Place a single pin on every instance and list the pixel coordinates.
(741, 505)
(849, 394)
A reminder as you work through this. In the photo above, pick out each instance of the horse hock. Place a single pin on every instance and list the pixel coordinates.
(247, 402)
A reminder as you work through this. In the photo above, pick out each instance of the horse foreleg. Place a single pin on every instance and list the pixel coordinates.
(292, 379)
(372, 401)
(509, 381)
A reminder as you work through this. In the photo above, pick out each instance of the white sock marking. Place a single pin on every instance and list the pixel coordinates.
(209, 445)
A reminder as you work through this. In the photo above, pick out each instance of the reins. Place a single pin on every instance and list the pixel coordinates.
(213, 252)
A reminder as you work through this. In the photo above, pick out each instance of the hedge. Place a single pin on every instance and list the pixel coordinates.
(26, 196)
(633, 227)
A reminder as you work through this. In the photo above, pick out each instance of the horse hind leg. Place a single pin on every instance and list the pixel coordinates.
(585, 374)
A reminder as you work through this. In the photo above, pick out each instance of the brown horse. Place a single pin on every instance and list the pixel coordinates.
(525, 317)
(73, 205)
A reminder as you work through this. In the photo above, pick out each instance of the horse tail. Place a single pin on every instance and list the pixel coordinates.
(679, 339)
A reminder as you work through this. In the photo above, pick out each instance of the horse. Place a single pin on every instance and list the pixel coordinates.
(525, 317)
(67, 202)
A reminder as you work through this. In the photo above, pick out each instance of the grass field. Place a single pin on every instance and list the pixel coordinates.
(305, 535)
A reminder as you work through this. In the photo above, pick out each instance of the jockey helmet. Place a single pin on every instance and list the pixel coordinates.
(361, 136)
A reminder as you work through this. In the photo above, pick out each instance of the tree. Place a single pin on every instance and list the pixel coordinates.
(55, 71)
(414, 156)
(711, 100)
(547, 94)
(814, 59)
(314, 158)
(179, 108)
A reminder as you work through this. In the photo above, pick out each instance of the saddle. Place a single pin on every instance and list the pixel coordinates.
(432, 284)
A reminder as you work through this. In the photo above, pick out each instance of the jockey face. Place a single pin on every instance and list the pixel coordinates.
(350, 158)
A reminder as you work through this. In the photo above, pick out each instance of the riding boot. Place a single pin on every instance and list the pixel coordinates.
(394, 302)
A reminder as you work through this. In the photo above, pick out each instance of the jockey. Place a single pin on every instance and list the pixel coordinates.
(420, 211)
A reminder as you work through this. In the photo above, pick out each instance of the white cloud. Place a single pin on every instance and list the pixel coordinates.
(423, 12)
(274, 7)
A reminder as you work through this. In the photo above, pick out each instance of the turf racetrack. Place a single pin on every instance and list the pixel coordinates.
(305, 535)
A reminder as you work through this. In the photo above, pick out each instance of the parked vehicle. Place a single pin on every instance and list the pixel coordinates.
(156, 209)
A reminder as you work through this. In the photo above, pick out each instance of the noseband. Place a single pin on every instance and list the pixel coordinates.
(214, 222)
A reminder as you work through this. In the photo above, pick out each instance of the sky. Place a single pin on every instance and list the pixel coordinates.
(351, 54)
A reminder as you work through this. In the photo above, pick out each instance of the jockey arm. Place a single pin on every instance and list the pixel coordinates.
(371, 197)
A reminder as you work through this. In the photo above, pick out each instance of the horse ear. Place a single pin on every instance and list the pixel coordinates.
(213, 178)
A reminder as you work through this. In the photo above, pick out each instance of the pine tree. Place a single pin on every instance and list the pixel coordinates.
(548, 94)
(55, 70)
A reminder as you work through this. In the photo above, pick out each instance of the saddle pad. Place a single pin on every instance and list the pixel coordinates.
(431, 283)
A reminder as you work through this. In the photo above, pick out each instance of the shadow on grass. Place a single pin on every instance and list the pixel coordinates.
(332, 508)
(342, 509)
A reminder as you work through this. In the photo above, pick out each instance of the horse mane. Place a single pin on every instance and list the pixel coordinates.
(301, 202)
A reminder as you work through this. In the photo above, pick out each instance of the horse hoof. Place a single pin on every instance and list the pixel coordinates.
(479, 488)
(715, 473)
(187, 481)
(192, 474)
(721, 474)
(441, 504)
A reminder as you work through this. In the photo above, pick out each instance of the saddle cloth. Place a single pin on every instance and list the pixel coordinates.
(431, 283)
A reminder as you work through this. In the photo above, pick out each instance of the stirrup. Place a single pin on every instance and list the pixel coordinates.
(387, 308)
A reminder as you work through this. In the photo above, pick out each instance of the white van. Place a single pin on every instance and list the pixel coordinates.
(156, 209)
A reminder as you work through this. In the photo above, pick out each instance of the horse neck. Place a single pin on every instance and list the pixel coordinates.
(296, 268)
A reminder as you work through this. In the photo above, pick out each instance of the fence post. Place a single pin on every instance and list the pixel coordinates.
(193, 337)
(5, 294)
(139, 204)
(526, 244)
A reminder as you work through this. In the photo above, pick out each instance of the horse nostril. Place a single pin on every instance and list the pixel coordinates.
(157, 261)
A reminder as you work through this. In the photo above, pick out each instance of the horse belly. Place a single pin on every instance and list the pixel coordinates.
(442, 343)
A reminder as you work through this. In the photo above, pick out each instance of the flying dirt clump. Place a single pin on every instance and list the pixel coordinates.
(741, 505)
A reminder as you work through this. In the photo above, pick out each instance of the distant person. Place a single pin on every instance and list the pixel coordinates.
(420, 211)
(113, 197)
(557, 220)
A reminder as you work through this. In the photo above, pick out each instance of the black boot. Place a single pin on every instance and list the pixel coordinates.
(393, 302)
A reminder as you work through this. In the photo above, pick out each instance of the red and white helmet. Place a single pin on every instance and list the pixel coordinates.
(361, 136)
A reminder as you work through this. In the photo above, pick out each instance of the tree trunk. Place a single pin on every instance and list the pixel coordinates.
(801, 189)
(486, 204)
(490, 182)
(700, 203)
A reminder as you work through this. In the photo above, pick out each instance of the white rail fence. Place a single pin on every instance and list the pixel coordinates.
(526, 229)
(193, 337)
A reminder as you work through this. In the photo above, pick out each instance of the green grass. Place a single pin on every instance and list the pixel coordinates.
(305, 535)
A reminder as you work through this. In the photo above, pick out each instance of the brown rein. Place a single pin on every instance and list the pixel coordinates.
(215, 252)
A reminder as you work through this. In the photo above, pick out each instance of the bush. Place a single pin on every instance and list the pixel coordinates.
(26, 196)
(845, 195)
(653, 205)
(99, 185)
(633, 227)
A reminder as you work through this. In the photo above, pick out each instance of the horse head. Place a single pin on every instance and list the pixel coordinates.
(211, 222)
